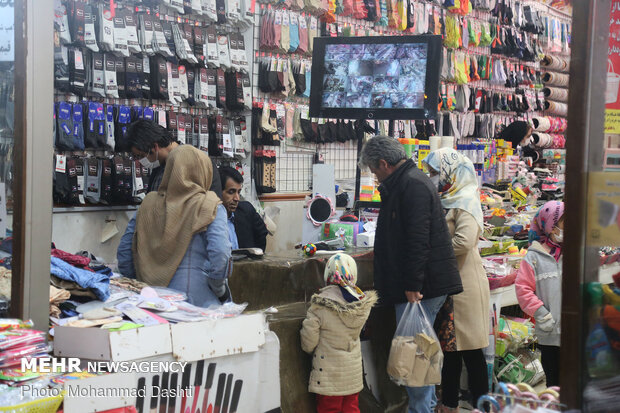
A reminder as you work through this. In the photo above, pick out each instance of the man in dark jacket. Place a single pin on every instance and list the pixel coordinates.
(246, 228)
(414, 259)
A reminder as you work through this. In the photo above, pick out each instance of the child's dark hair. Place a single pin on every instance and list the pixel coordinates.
(143, 134)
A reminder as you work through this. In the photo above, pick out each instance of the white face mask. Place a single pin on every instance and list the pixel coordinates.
(559, 236)
(148, 164)
(435, 180)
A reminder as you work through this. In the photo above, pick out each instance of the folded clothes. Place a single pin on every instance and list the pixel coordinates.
(75, 260)
(97, 282)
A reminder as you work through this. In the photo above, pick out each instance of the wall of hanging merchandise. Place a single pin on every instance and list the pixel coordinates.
(182, 64)
(491, 73)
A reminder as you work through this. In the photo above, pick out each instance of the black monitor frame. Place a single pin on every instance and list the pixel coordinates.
(431, 88)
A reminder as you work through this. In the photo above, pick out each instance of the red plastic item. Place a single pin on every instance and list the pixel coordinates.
(616, 278)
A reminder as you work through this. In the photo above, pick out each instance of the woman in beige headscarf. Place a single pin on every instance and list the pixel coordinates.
(181, 238)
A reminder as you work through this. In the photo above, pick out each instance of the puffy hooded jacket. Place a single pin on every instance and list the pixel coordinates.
(331, 331)
(413, 247)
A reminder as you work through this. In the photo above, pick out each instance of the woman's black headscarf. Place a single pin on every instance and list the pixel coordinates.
(515, 132)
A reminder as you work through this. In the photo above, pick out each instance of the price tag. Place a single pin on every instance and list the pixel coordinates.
(61, 164)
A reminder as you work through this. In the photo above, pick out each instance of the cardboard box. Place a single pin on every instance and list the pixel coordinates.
(101, 344)
(348, 230)
(366, 239)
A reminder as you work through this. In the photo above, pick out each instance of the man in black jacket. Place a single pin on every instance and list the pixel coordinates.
(414, 259)
(247, 229)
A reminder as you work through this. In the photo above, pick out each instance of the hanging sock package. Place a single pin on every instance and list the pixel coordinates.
(105, 29)
(160, 44)
(78, 126)
(170, 50)
(131, 30)
(90, 39)
(146, 33)
(120, 36)
(111, 85)
(64, 128)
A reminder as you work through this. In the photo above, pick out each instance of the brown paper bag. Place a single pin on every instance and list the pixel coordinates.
(420, 370)
(433, 376)
(400, 364)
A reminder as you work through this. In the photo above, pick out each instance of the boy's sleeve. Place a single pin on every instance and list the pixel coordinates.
(310, 331)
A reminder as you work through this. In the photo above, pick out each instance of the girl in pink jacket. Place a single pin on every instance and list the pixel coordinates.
(539, 284)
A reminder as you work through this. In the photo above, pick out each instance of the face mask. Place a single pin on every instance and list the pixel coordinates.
(435, 180)
(559, 237)
(148, 164)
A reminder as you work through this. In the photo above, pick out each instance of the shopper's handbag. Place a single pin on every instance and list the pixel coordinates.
(415, 356)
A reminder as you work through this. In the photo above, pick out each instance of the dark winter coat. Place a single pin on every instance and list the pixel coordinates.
(249, 226)
(413, 248)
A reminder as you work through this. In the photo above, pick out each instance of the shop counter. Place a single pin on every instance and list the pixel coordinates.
(287, 282)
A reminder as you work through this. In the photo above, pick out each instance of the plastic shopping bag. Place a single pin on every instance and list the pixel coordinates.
(415, 356)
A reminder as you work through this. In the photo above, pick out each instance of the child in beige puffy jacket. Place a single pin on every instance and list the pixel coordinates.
(331, 331)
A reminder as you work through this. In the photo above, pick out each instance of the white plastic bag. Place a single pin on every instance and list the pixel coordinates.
(415, 356)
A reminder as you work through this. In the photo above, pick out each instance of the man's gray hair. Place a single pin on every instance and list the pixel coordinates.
(381, 147)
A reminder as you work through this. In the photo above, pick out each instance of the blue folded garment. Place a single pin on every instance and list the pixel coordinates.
(99, 283)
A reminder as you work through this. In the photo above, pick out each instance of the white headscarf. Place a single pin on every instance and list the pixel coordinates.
(458, 183)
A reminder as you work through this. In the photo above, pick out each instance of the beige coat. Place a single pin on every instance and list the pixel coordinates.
(471, 307)
(331, 330)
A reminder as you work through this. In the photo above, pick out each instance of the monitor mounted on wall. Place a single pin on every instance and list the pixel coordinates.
(376, 77)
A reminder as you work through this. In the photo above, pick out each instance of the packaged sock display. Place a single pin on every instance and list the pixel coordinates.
(203, 137)
(183, 84)
(64, 128)
(106, 182)
(209, 10)
(105, 28)
(159, 74)
(146, 33)
(109, 127)
(216, 144)
(223, 51)
(228, 149)
(172, 124)
(160, 43)
(191, 86)
(128, 180)
(181, 135)
(133, 86)
(77, 23)
(77, 72)
(97, 84)
(221, 89)
(122, 120)
(143, 67)
(138, 190)
(61, 68)
(120, 36)
(212, 96)
(61, 22)
(120, 76)
(92, 172)
(90, 39)
(170, 49)
(118, 177)
(111, 86)
(131, 31)
(78, 126)
(212, 54)
(199, 44)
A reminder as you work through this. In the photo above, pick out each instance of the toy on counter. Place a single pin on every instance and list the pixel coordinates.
(309, 250)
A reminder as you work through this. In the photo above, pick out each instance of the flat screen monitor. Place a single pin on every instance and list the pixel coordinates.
(375, 77)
